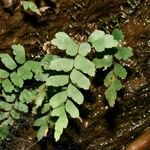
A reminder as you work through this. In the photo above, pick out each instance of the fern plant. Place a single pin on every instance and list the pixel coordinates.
(73, 71)
(111, 53)
(14, 96)
(72, 74)
(61, 80)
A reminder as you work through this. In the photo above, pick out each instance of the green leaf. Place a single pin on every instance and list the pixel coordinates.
(111, 96)
(5, 106)
(59, 111)
(118, 35)
(34, 110)
(47, 60)
(4, 132)
(105, 62)
(96, 35)
(75, 94)
(42, 132)
(62, 64)
(30, 5)
(41, 93)
(14, 114)
(58, 99)
(40, 121)
(45, 108)
(80, 79)
(58, 80)
(60, 124)
(97, 40)
(21, 107)
(72, 48)
(8, 61)
(19, 52)
(7, 86)
(43, 124)
(109, 78)
(40, 97)
(9, 98)
(3, 74)
(120, 71)
(41, 77)
(84, 48)
(34, 66)
(123, 53)
(64, 42)
(16, 79)
(72, 109)
(62, 121)
(116, 84)
(58, 132)
(110, 41)
(61, 40)
(27, 96)
(84, 65)
(99, 45)
(4, 115)
(24, 72)
(9, 121)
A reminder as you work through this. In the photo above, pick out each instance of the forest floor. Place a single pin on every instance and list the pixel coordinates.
(100, 127)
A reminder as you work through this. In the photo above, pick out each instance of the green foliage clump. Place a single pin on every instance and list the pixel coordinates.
(73, 74)
(14, 96)
(30, 5)
(61, 80)
(109, 48)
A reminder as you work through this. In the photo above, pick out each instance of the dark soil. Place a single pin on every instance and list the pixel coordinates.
(127, 125)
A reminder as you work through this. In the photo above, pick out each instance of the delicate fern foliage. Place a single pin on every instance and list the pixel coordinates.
(73, 73)
(13, 75)
(64, 42)
(116, 52)
(100, 41)
(61, 79)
